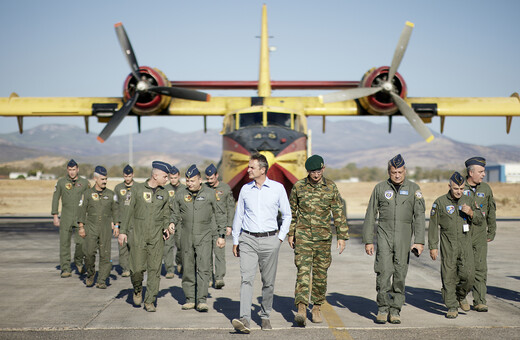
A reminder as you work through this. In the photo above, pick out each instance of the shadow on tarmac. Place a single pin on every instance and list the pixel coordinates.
(428, 300)
(356, 304)
(503, 293)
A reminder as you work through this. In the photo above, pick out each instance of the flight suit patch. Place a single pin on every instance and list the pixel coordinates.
(159, 197)
(389, 194)
(188, 198)
(147, 196)
(418, 194)
(403, 192)
(95, 196)
(200, 198)
(171, 193)
(466, 192)
(219, 194)
(68, 186)
(450, 209)
(105, 197)
(122, 192)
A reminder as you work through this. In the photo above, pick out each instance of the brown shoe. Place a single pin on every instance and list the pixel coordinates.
(169, 275)
(65, 275)
(202, 307)
(101, 285)
(188, 305)
(481, 307)
(316, 314)
(89, 281)
(266, 325)
(149, 307)
(452, 313)
(381, 318)
(241, 325)
(219, 284)
(138, 298)
(301, 317)
(126, 273)
(394, 318)
(464, 305)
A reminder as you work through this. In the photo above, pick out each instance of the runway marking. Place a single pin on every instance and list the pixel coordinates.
(336, 326)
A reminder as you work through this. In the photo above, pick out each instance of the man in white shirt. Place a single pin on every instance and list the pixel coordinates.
(256, 239)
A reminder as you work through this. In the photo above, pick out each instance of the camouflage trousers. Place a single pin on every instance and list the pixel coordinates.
(311, 257)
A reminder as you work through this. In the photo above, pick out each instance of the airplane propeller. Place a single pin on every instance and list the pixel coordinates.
(387, 86)
(143, 85)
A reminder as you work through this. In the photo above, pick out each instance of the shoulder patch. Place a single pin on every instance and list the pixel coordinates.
(418, 194)
(481, 194)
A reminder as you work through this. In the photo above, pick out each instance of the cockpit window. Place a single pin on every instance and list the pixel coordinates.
(279, 119)
(250, 119)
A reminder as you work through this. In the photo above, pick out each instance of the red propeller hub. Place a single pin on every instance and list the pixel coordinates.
(381, 103)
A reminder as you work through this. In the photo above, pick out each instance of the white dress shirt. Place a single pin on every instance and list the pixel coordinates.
(257, 209)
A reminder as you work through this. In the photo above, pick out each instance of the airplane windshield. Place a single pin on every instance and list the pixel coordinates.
(250, 119)
(280, 119)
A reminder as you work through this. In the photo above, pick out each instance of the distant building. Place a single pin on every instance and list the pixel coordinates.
(39, 176)
(505, 173)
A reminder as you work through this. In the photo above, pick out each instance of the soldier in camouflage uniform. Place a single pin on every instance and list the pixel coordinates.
(314, 200)
(196, 206)
(175, 241)
(97, 222)
(70, 190)
(481, 235)
(227, 202)
(400, 206)
(148, 215)
(454, 213)
(123, 192)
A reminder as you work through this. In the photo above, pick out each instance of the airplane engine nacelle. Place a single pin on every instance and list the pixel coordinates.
(381, 102)
(149, 103)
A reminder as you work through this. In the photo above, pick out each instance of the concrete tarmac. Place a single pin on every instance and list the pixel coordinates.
(35, 303)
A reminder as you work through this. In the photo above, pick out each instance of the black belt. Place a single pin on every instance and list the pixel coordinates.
(268, 233)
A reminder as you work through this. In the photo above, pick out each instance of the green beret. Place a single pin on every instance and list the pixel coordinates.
(314, 162)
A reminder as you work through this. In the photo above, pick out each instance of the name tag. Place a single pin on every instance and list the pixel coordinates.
(159, 197)
(480, 194)
(465, 228)
(199, 198)
(403, 192)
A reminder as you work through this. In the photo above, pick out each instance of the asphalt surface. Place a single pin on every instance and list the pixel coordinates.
(35, 303)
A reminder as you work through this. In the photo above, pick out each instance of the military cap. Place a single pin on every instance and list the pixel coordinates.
(457, 178)
(174, 170)
(314, 162)
(72, 163)
(100, 170)
(163, 166)
(397, 161)
(192, 171)
(211, 170)
(128, 170)
(475, 161)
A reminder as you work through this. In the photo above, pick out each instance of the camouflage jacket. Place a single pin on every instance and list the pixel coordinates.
(312, 206)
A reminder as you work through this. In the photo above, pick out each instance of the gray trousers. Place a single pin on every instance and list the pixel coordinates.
(257, 252)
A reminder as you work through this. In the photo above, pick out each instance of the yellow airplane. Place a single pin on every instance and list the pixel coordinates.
(273, 126)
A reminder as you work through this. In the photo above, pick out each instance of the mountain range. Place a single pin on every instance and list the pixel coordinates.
(347, 141)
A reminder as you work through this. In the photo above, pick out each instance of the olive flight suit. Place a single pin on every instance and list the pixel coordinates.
(312, 206)
(483, 195)
(148, 215)
(70, 191)
(175, 240)
(196, 210)
(226, 201)
(97, 212)
(401, 214)
(123, 193)
(457, 266)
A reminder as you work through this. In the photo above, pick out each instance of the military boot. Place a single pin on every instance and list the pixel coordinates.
(464, 305)
(452, 313)
(138, 298)
(481, 307)
(381, 317)
(301, 317)
(316, 314)
(89, 281)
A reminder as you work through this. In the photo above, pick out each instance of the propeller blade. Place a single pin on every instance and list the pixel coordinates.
(413, 117)
(178, 92)
(117, 118)
(400, 49)
(127, 49)
(349, 94)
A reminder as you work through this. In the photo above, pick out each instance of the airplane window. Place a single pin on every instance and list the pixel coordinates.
(251, 118)
(280, 119)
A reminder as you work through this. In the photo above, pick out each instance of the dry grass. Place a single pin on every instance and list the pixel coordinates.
(19, 197)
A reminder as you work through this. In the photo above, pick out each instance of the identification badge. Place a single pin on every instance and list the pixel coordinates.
(465, 227)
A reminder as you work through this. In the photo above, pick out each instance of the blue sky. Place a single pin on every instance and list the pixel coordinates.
(69, 48)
